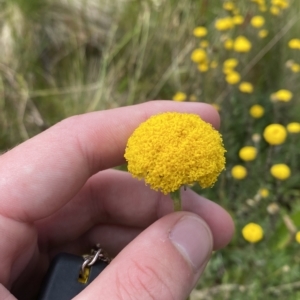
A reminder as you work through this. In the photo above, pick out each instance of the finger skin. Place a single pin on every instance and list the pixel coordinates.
(153, 266)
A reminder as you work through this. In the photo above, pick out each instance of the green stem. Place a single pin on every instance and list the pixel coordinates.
(176, 200)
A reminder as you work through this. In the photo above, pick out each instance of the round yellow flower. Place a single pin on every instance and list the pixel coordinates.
(224, 24)
(263, 33)
(248, 153)
(297, 237)
(256, 111)
(228, 44)
(257, 21)
(230, 63)
(233, 77)
(252, 233)
(283, 4)
(274, 10)
(275, 134)
(280, 171)
(264, 193)
(228, 5)
(293, 127)
(262, 8)
(239, 172)
(174, 149)
(294, 44)
(179, 97)
(295, 68)
(246, 87)
(242, 44)
(283, 95)
(203, 67)
(238, 20)
(198, 55)
(200, 31)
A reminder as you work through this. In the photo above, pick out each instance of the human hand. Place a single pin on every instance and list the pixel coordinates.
(58, 196)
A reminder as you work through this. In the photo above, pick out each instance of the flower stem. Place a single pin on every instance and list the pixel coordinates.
(176, 200)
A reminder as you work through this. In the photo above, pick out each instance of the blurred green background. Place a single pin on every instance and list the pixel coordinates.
(64, 57)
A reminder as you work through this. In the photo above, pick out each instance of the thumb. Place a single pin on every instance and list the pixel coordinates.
(164, 262)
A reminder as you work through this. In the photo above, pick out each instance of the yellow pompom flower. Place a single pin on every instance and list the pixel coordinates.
(263, 33)
(246, 87)
(295, 68)
(228, 5)
(238, 20)
(256, 111)
(293, 127)
(283, 4)
(228, 44)
(179, 97)
(275, 134)
(174, 149)
(283, 95)
(253, 233)
(248, 153)
(238, 172)
(233, 77)
(198, 55)
(230, 63)
(224, 24)
(262, 8)
(242, 44)
(294, 44)
(203, 67)
(280, 171)
(264, 193)
(200, 31)
(297, 237)
(257, 21)
(274, 10)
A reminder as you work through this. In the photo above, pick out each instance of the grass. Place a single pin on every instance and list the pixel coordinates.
(59, 60)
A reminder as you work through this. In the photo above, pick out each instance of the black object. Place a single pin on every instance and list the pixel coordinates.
(63, 280)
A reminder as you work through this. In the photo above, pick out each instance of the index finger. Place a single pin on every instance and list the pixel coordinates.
(44, 173)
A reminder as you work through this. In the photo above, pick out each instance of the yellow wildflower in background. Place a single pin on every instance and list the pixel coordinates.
(257, 21)
(262, 8)
(263, 33)
(252, 233)
(224, 24)
(179, 96)
(233, 77)
(293, 127)
(275, 134)
(203, 67)
(174, 149)
(283, 95)
(297, 237)
(295, 67)
(280, 171)
(238, 20)
(198, 55)
(274, 10)
(193, 98)
(246, 87)
(204, 44)
(242, 44)
(228, 44)
(213, 64)
(264, 193)
(228, 5)
(230, 63)
(294, 44)
(283, 4)
(238, 172)
(248, 153)
(256, 111)
(200, 31)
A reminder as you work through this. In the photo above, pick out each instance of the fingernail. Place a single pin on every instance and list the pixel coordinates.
(193, 240)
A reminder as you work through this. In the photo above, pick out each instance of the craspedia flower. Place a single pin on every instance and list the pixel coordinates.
(263, 33)
(179, 97)
(297, 237)
(264, 193)
(174, 149)
(280, 171)
(283, 95)
(198, 55)
(257, 21)
(200, 31)
(246, 87)
(238, 172)
(203, 67)
(230, 63)
(293, 127)
(233, 77)
(242, 44)
(295, 68)
(275, 134)
(228, 44)
(238, 20)
(256, 111)
(274, 10)
(248, 153)
(253, 233)
(224, 24)
(294, 44)
(228, 5)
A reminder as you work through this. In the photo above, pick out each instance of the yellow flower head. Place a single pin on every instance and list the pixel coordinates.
(297, 237)
(230, 63)
(203, 67)
(256, 111)
(295, 68)
(233, 77)
(257, 21)
(248, 153)
(213, 64)
(228, 5)
(275, 134)
(242, 44)
(238, 172)
(264, 193)
(283, 4)
(262, 8)
(224, 24)
(174, 149)
(263, 33)
(283, 95)
(200, 31)
(274, 10)
(293, 127)
(228, 44)
(280, 171)
(198, 55)
(252, 233)
(238, 20)
(294, 44)
(204, 44)
(246, 87)
(179, 97)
